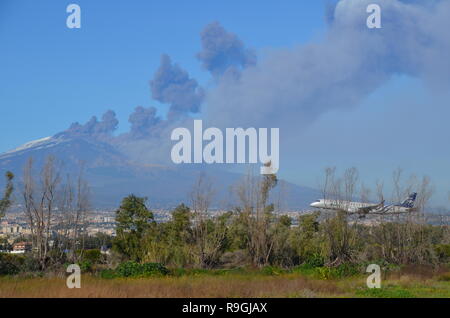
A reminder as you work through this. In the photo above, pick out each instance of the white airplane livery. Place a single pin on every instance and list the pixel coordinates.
(362, 209)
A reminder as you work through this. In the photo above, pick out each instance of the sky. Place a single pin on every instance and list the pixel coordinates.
(52, 76)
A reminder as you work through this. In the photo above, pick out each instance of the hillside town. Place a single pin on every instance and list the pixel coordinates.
(15, 230)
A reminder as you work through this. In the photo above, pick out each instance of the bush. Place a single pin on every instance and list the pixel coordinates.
(315, 260)
(324, 272)
(272, 270)
(341, 271)
(150, 269)
(108, 274)
(129, 269)
(133, 269)
(346, 270)
(10, 264)
(385, 292)
(444, 277)
(178, 272)
(93, 256)
(304, 269)
(85, 266)
(29, 264)
(443, 251)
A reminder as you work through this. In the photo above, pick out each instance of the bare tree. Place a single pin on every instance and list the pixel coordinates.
(351, 177)
(365, 193)
(55, 210)
(402, 238)
(328, 182)
(208, 232)
(72, 215)
(39, 200)
(253, 194)
(379, 189)
(340, 235)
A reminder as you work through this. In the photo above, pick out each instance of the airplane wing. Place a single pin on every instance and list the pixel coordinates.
(370, 209)
(390, 210)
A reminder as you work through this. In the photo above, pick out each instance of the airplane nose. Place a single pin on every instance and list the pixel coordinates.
(313, 205)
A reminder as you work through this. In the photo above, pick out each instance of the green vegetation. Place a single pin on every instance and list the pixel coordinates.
(133, 269)
(239, 282)
(5, 202)
(389, 292)
(334, 245)
(248, 251)
(11, 264)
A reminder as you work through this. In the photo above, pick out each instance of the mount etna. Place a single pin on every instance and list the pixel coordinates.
(112, 175)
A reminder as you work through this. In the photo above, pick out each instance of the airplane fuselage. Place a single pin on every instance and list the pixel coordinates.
(358, 207)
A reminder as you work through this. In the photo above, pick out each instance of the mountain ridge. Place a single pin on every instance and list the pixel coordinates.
(112, 175)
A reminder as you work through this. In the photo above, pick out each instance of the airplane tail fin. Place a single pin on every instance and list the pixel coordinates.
(409, 202)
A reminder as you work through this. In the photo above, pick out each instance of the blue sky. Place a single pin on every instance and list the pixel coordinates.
(52, 76)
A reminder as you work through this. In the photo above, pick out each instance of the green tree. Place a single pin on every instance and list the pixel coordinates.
(134, 221)
(258, 216)
(341, 239)
(283, 253)
(170, 243)
(238, 230)
(180, 225)
(6, 202)
(306, 241)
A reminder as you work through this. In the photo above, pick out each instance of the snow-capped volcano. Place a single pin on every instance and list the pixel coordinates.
(32, 145)
(112, 175)
(70, 151)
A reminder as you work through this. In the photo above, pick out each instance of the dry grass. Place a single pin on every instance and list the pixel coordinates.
(177, 287)
(402, 284)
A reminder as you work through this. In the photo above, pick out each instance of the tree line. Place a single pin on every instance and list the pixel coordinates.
(253, 232)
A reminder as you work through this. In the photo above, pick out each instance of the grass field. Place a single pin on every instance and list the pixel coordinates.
(206, 284)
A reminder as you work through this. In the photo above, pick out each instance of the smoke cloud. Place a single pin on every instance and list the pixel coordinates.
(142, 121)
(223, 52)
(172, 85)
(293, 87)
(290, 88)
(94, 128)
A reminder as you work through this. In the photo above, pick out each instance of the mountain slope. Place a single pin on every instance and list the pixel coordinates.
(111, 175)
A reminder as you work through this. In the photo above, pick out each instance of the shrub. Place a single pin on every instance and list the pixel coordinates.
(94, 256)
(346, 270)
(85, 266)
(129, 269)
(150, 269)
(10, 264)
(133, 269)
(178, 272)
(444, 277)
(29, 264)
(315, 260)
(442, 251)
(272, 270)
(304, 269)
(385, 292)
(341, 271)
(108, 274)
(324, 272)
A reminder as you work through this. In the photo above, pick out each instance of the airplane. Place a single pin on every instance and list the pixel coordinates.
(362, 209)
